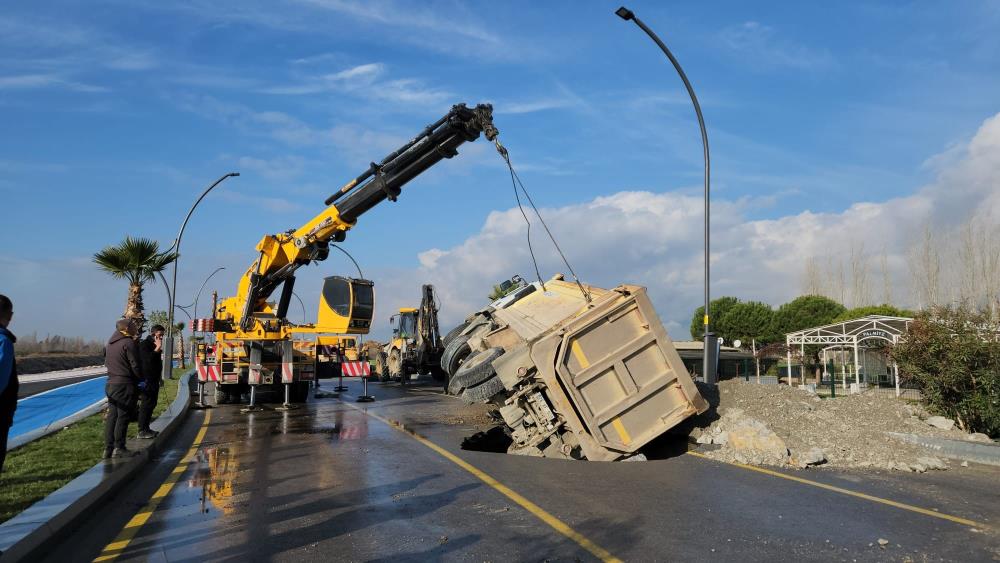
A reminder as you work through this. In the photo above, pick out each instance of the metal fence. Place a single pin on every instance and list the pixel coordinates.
(881, 385)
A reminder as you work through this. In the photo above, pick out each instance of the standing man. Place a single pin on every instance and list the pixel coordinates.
(124, 365)
(149, 387)
(8, 375)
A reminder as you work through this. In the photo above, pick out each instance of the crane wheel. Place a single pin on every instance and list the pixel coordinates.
(477, 368)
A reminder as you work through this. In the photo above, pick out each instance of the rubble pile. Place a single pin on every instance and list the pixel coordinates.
(781, 426)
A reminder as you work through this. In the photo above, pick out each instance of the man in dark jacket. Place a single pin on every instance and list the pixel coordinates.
(149, 388)
(124, 365)
(8, 375)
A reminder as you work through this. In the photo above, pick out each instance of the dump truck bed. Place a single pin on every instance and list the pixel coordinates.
(607, 370)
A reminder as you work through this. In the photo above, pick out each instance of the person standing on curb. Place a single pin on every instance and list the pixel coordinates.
(8, 376)
(149, 387)
(124, 364)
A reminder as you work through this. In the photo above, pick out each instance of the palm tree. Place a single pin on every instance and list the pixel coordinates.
(136, 260)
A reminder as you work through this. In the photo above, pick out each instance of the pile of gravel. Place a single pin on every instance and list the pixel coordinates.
(782, 426)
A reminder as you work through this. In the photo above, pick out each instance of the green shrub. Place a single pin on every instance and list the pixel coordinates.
(953, 354)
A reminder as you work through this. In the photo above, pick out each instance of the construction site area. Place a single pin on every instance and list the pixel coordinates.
(370, 378)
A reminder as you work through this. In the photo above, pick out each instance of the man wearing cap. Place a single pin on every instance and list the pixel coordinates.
(124, 365)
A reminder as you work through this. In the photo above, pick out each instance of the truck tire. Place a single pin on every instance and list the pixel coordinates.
(477, 368)
(483, 392)
(454, 388)
(454, 332)
(454, 353)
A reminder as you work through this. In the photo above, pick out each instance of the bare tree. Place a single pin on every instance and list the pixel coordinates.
(925, 269)
(967, 267)
(886, 277)
(860, 286)
(812, 278)
(989, 269)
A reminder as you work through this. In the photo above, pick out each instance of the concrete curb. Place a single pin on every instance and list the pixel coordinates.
(977, 452)
(55, 426)
(25, 536)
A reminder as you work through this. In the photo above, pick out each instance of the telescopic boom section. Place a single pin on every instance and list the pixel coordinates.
(282, 254)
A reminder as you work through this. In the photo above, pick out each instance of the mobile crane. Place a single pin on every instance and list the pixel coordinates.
(254, 341)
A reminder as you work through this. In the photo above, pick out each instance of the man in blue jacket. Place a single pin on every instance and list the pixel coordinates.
(8, 375)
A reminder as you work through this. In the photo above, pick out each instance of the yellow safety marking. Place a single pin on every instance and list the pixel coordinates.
(880, 500)
(578, 352)
(622, 433)
(706, 320)
(128, 533)
(540, 513)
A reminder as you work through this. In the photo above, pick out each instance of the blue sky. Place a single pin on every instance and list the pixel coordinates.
(115, 115)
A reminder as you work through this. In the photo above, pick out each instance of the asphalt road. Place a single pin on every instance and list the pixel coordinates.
(330, 482)
(28, 386)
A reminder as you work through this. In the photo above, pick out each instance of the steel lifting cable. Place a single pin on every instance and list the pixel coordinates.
(516, 181)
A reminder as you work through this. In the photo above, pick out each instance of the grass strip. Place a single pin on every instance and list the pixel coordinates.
(40, 468)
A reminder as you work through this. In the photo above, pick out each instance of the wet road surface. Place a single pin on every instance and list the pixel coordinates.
(328, 482)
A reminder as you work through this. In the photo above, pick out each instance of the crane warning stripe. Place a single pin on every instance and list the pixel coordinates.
(355, 369)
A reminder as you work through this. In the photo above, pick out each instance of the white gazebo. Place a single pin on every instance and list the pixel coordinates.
(853, 334)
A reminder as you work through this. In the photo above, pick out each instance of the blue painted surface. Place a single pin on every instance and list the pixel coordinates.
(38, 411)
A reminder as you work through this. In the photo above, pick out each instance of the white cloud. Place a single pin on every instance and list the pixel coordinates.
(761, 46)
(33, 81)
(366, 81)
(654, 239)
(281, 168)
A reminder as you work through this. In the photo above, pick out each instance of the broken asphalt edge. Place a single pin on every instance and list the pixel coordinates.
(977, 452)
(29, 534)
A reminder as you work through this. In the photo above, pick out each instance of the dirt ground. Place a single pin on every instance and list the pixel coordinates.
(755, 423)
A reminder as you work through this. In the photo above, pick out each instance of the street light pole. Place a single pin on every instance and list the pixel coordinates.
(217, 270)
(710, 357)
(168, 352)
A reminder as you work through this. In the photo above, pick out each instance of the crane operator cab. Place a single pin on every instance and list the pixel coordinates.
(346, 305)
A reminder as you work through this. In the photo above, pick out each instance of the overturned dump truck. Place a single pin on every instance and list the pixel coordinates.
(573, 378)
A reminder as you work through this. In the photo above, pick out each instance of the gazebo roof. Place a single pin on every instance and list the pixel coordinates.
(879, 327)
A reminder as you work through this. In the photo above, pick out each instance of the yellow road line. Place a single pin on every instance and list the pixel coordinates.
(540, 513)
(880, 500)
(128, 533)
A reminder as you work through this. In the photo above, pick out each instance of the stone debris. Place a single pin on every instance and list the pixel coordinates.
(780, 426)
(941, 422)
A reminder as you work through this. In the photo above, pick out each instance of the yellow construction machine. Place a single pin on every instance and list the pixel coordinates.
(416, 344)
(253, 346)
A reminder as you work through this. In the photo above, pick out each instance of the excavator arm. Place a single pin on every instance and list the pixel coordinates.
(280, 255)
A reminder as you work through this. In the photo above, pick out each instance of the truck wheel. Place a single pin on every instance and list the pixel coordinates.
(454, 353)
(454, 388)
(483, 392)
(454, 332)
(477, 368)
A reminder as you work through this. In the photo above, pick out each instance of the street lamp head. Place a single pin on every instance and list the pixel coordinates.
(624, 13)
